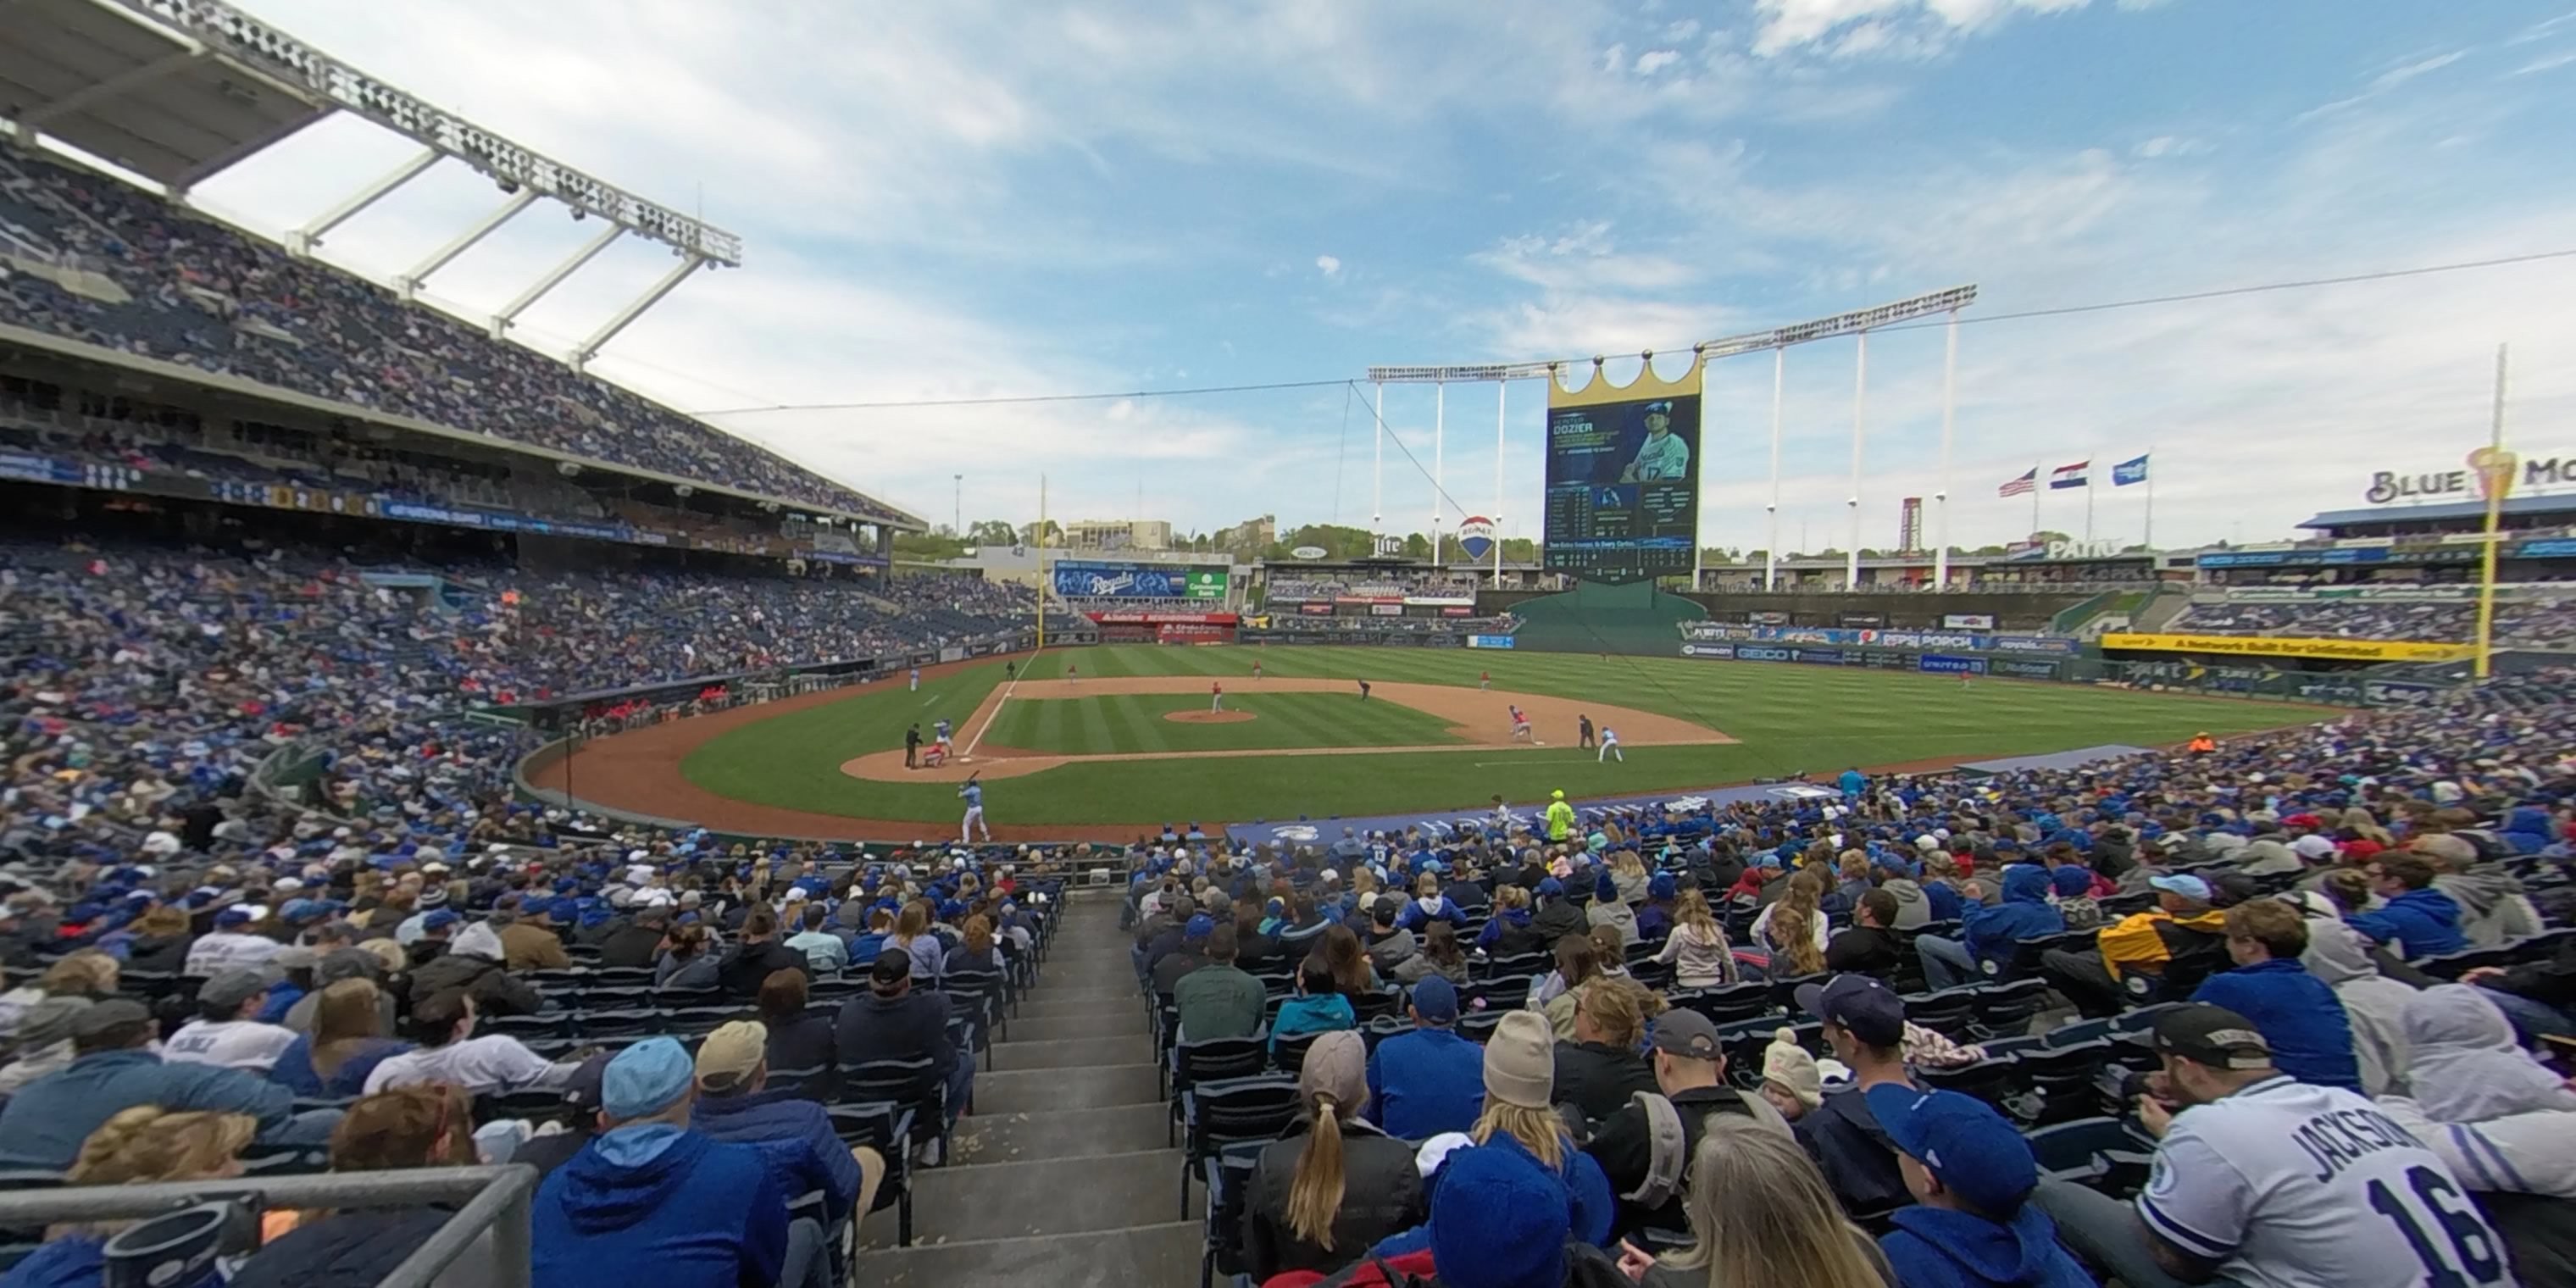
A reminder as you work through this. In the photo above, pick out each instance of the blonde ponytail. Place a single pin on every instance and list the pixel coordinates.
(1315, 1194)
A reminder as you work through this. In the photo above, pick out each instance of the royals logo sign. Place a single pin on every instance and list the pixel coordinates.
(1476, 537)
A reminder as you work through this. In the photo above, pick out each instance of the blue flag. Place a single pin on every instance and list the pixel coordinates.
(2128, 472)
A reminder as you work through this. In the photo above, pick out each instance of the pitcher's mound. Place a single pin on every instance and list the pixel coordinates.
(1208, 717)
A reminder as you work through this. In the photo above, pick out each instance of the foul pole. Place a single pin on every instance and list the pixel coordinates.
(1045, 583)
(2495, 475)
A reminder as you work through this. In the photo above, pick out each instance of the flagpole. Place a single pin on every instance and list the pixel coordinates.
(2151, 498)
(2036, 487)
(1045, 583)
(2088, 502)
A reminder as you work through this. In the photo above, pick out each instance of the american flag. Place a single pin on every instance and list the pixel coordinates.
(2021, 486)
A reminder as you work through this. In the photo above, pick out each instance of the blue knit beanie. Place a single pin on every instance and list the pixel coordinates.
(1499, 1219)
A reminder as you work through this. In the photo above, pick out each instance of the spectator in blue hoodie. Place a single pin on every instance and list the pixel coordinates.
(1971, 1175)
(791, 1132)
(2419, 920)
(2526, 829)
(2297, 1013)
(1429, 903)
(652, 1202)
(1431, 1080)
(1317, 1008)
(1991, 930)
(1655, 919)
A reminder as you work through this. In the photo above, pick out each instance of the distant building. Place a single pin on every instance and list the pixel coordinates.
(1251, 534)
(1118, 534)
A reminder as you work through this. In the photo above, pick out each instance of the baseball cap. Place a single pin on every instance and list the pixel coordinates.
(1437, 999)
(645, 1078)
(440, 919)
(232, 988)
(1962, 1141)
(1199, 927)
(1687, 1034)
(728, 1056)
(114, 1013)
(2212, 1035)
(893, 966)
(1871, 1010)
(2182, 883)
(231, 917)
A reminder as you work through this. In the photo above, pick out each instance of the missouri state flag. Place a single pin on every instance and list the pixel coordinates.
(2065, 476)
(2128, 472)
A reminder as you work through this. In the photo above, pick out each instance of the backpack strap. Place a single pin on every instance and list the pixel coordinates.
(1666, 1151)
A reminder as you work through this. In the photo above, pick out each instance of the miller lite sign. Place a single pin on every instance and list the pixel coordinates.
(1476, 537)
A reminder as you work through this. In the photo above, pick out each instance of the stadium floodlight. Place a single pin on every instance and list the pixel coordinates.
(1858, 322)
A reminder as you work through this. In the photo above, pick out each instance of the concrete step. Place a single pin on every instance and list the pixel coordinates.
(1070, 1053)
(1049, 1197)
(1045, 1005)
(1030, 1090)
(1120, 990)
(1062, 1133)
(1152, 1256)
(1125, 1022)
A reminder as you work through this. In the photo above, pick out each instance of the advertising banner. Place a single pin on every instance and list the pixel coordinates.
(2032, 644)
(1138, 581)
(1717, 652)
(1315, 610)
(1819, 656)
(2312, 594)
(1127, 617)
(1865, 620)
(1945, 664)
(1968, 621)
(2287, 558)
(2546, 548)
(953, 653)
(1762, 653)
(1623, 478)
(1767, 618)
(1489, 641)
(1886, 659)
(2292, 646)
(2398, 693)
(2022, 668)
(1458, 612)
(1386, 610)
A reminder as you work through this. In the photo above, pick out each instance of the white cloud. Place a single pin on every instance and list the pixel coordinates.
(1328, 265)
(2545, 64)
(2169, 145)
(1655, 60)
(2385, 82)
(1912, 27)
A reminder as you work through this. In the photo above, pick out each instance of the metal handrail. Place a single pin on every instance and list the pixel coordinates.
(496, 1199)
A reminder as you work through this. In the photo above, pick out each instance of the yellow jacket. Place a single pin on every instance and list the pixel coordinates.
(1560, 820)
(2138, 943)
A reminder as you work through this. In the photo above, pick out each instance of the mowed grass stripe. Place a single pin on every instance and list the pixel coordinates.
(1140, 722)
(1789, 717)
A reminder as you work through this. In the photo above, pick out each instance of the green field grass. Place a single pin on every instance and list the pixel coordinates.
(1134, 722)
(1787, 718)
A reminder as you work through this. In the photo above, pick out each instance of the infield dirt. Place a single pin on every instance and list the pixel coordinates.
(1481, 718)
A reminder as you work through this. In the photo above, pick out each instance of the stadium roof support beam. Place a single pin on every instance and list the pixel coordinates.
(409, 283)
(554, 277)
(302, 240)
(653, 295)
(1779, 337)
(101, 91)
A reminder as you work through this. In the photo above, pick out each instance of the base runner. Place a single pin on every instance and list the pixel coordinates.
(1520, 724)
(973, 794)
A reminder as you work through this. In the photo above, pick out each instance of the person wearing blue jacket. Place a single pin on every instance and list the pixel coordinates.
(791, 1132)
(1317, 1007)
(45, 1123)
(1991, 930)
(1971, 1176)
(2297, 1013)
(2526, 829)
(651, 1201)
(2418, 920)
(1428, 1081)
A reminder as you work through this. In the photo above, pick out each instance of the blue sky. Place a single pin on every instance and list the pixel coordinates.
(986, 198)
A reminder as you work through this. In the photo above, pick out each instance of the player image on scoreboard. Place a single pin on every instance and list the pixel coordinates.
(1623, 479)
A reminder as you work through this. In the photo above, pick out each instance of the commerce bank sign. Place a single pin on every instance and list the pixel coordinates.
(2486, 469)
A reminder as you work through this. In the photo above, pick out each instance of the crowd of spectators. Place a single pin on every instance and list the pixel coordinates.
(201, 294)
(1288, 585)
(148, 680)
(2290, 894)
(2536, 623)
(359, 1003)
(1303, 623)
